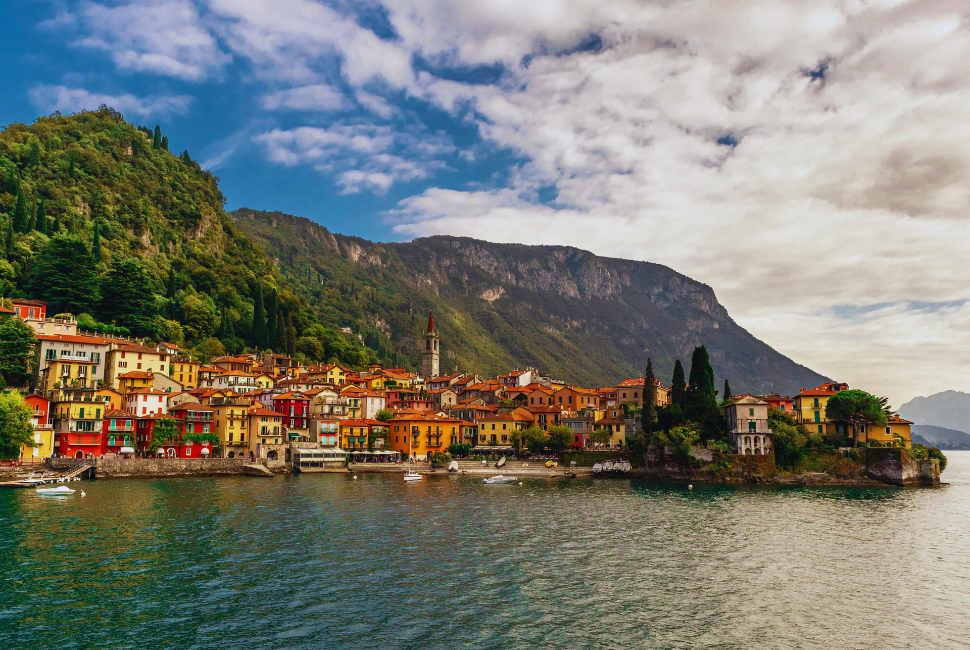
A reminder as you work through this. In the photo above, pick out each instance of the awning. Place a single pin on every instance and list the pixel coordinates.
(204, 451)
(127, 450)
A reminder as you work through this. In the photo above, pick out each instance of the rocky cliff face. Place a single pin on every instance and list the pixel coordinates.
(583, 317)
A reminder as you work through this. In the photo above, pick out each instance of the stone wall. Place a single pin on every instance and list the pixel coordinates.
(157, 467)
(896, 467)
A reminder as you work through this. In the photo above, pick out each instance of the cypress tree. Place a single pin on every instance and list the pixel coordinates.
(8, 240)
(165, 142)
(128, 297)
(157, 140)
(12, 186)
(20, 216)
(42, 217)
(649, 413)
(170, 284)
(57, 225)
(279, 343)
(727, 390)
(702, 406)
(259, 319)
(678, 387)
(701, 374)
(96, 244)
(272, 315)
(290, 337)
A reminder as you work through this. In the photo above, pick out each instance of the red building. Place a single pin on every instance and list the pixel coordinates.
(80, 444)
(779, 402)
(29, 309)
(295, 408)
(118, 431)
(193, 419)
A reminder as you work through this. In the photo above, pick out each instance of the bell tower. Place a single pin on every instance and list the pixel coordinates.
(429, 356)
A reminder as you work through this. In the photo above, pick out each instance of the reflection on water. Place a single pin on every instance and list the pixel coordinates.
(325, 561)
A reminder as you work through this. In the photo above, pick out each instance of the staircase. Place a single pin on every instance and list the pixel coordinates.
(80, 468)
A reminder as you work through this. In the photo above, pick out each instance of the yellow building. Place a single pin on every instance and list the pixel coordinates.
(428, 434)
(327, 373)
(185, 371)
(135, 380)
(230, 422)
(133, 357)
(268, 434)
(809, 407)
(887, 435)
(69, 372)
(113, 400)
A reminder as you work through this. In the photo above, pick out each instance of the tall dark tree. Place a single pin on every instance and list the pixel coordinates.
(12, 186)
(165, 142)
(279, 341)
(128, 297)
(8, 239)
(21, 215)
(648, 415)
(16, 351)
(259, 319)
(170, 288)
(702, 406)
(56, 226)
(96, 244)
(272, 316)
(678, 386)
(727, 391)
(40, 219)
(290, 337)
(157, 140)
(64, 277)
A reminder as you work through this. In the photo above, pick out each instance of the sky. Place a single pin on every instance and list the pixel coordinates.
(806, 159)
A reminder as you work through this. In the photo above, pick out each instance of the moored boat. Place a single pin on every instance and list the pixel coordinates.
(499, 480)
(60, 489)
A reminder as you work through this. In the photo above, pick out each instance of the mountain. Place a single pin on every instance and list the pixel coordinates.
(940, 437)
(949, 409)
(588, 319)
(99, 219)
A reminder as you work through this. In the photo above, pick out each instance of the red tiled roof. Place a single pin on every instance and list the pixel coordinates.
(136, 374)
(134, 347)
(70, 338)
(828, 388)
(28, 302)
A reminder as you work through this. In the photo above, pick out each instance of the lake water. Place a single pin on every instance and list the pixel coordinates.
(319, 561)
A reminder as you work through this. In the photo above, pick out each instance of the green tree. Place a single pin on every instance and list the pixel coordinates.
(170, 287)
(198, 317)
(790, 438)
(600, 437)
(165, 143)
(64, 276)
(16, 431)
(559, 438)
(279, 334)
(384, 415)
(680, 439)
(702, 407)
(128, 297)
(857, 408)
(258, 335)
(21, 216)
(157, 140)
(678, 386)
(648, 416)
(534, 439)
(16, 351)
(272, 318)
(41, 219)
(12, 186)
(727, 391)
(96, 244)
(290, 336)
(8, 240)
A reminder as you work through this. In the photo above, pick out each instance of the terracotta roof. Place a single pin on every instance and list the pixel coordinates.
(610, 421)
(115, 413)
(828, 388)
(259, 410)
(895, 419)
(630, 382)
(191, 406)
(6, 310)
(134, 347)
(148, 391)
(292, 395)
(70, 338)
(362, 422)
(137, 374)
(28, 302)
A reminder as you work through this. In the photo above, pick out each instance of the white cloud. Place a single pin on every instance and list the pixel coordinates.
(316, 97)
(359, 156)
(168, 38)
(72, 100)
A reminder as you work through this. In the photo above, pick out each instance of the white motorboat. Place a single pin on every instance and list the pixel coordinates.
(453, 466)
(597, 468)
(499, 480)
(60, 489)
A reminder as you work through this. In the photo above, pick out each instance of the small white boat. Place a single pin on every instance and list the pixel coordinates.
(597, 468)
(499, 480)
(501, 462)
(412, 476)
(60, 489)
(453, 466)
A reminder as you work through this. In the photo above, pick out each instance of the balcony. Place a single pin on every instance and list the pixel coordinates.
(122, 429)
(198, 416)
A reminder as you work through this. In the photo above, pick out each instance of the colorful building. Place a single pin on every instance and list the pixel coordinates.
(422, 435)
(809, 407)
(42, 421)
(118, 432)
(295, 408)
(195, 422)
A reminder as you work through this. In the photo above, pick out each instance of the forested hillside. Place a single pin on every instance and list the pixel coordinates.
(100, 220)
(588, 319)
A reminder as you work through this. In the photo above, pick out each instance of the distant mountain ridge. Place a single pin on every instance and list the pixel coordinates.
(588, 319)
(949, 409)
(940, 437)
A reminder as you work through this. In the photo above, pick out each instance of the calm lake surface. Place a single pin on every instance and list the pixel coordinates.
(318, 561)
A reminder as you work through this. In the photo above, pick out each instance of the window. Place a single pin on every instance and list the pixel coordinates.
(752, 426)
(751, 413)
(818, 416)
(820, 429)
(816, 402)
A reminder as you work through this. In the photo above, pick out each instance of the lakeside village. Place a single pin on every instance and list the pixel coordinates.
(101, 397)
